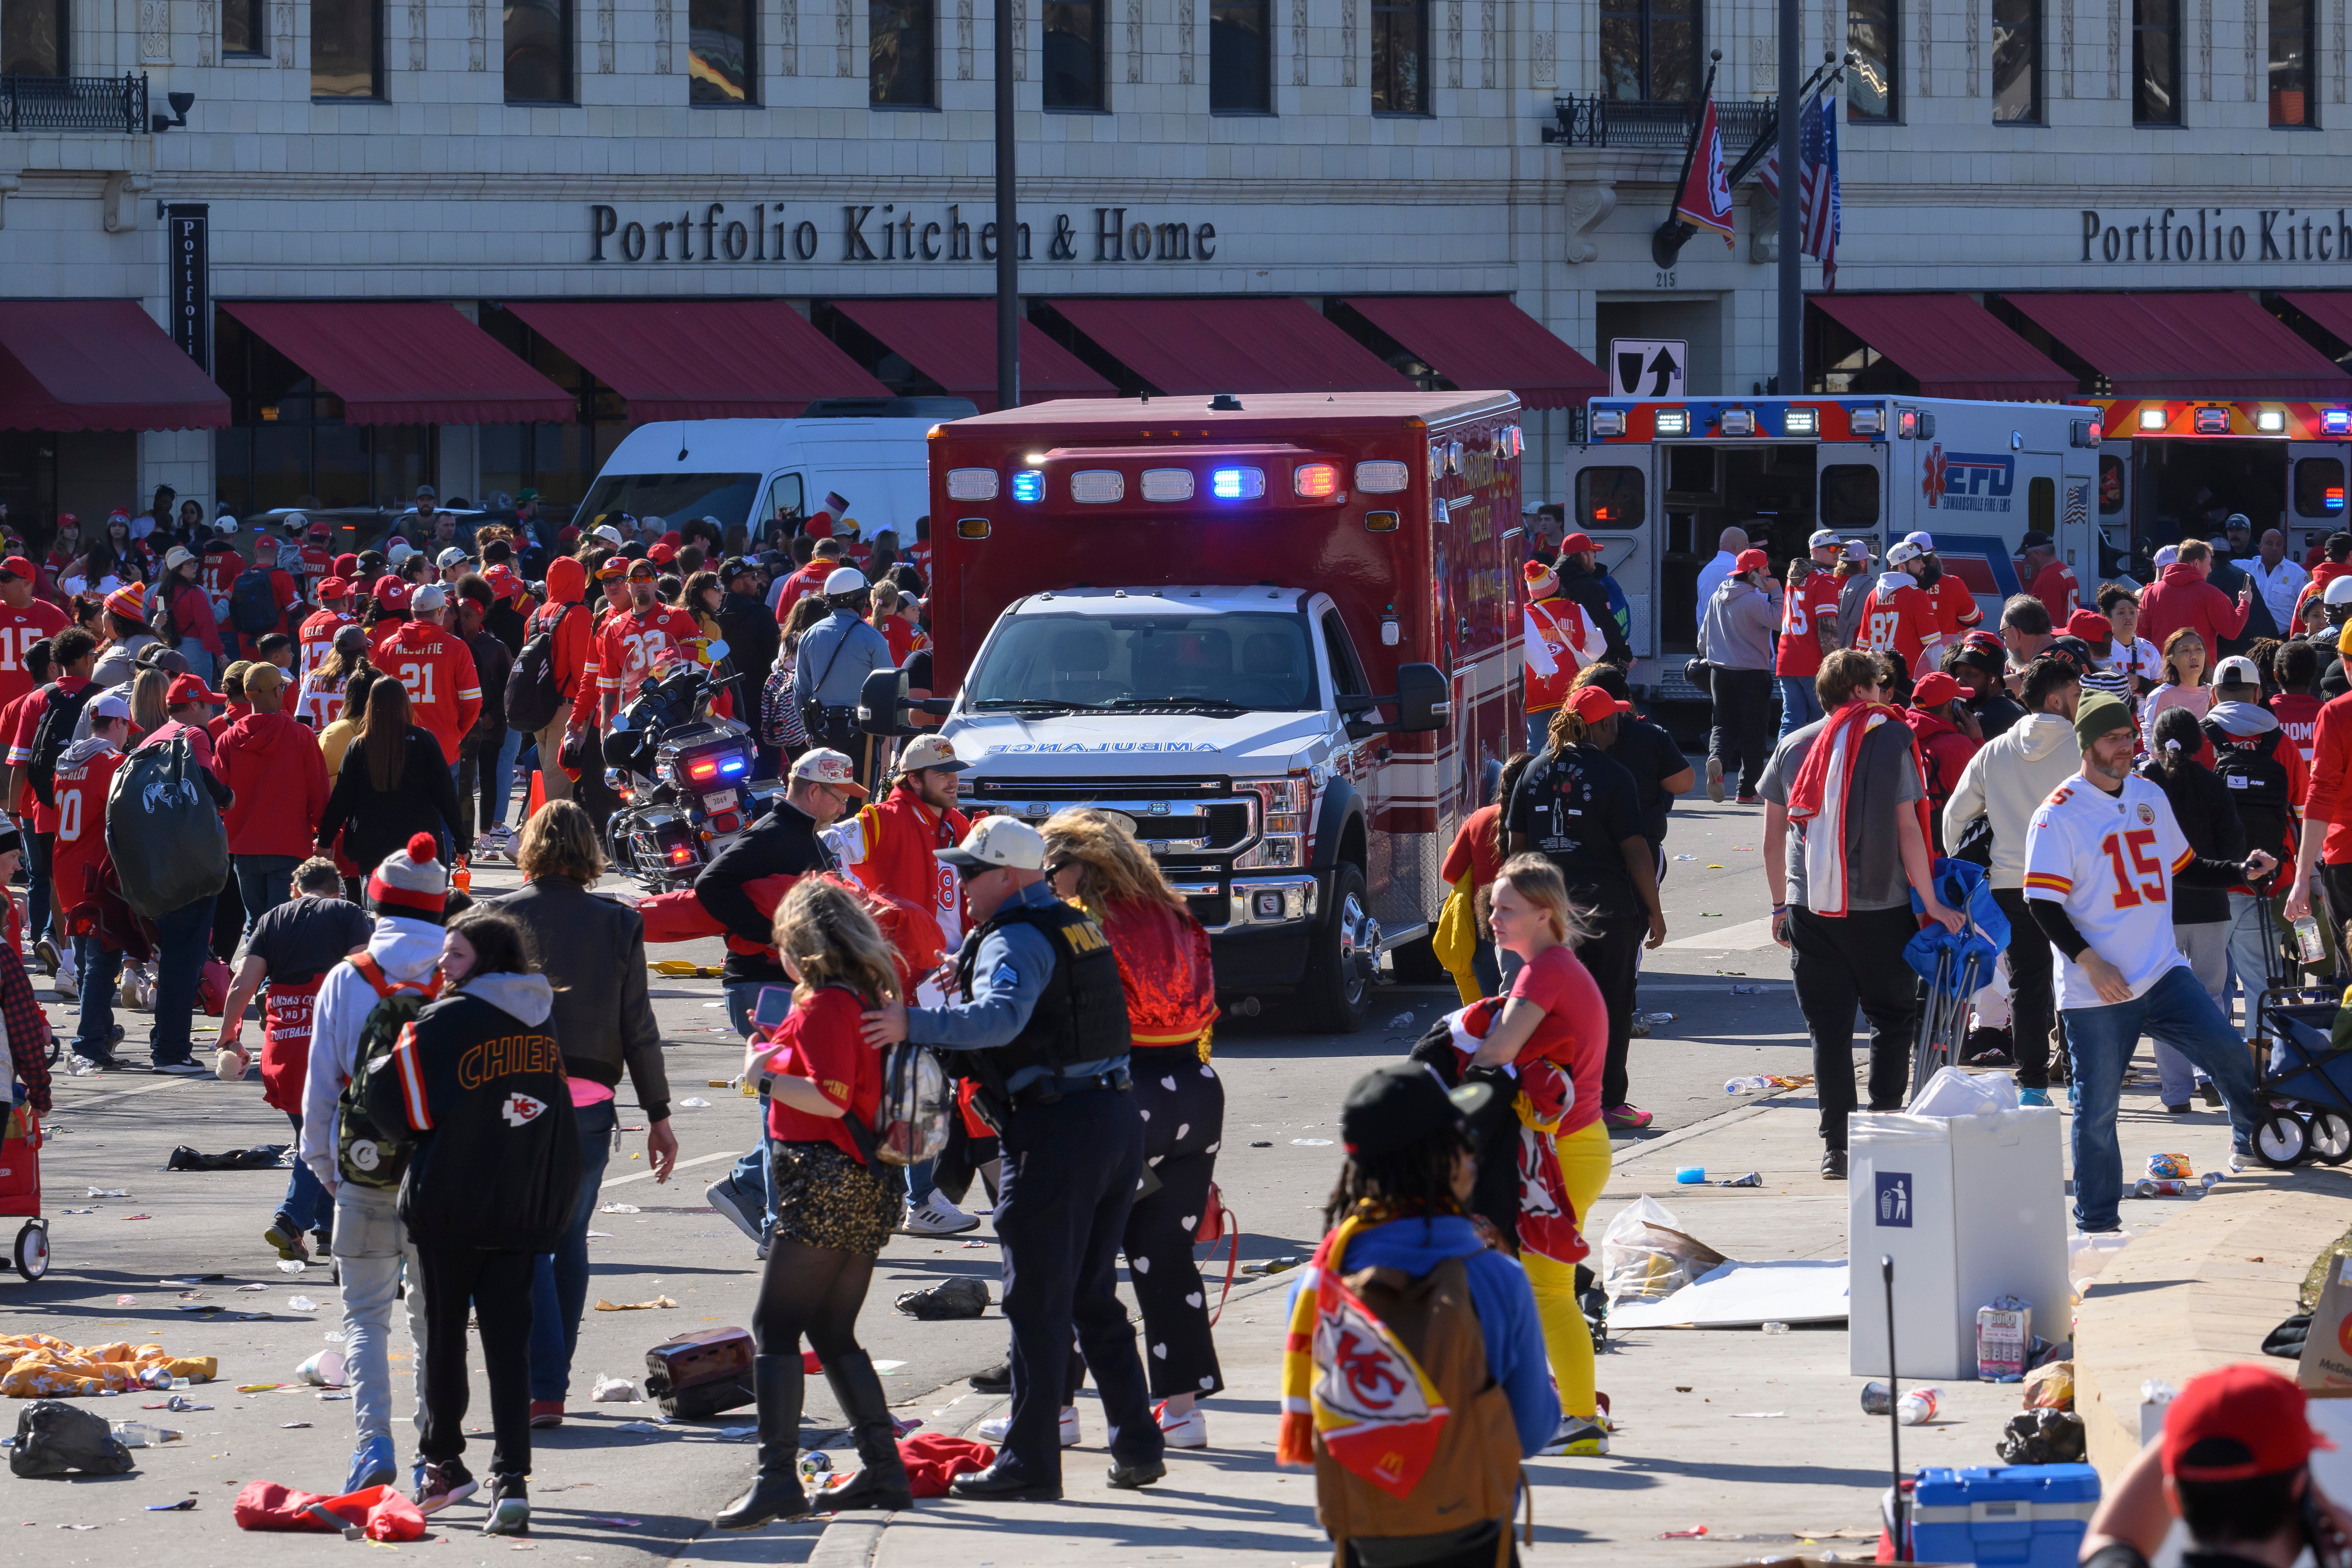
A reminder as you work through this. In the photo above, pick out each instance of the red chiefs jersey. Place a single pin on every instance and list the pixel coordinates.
(221, 571)
(28, 730)
(1558, 640)
(316, 640)
(444, 691)
(893, 847)
(19, 630)
(1898, 617)
(1956, 607)
(318, 562)
(1802, 612)
(2298, 714)
(82, 826)
(2059, 593)
(629, 645)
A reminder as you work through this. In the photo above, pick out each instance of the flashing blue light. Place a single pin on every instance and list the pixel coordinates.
(1029, 485)
(731, 765)
(1237, 484)
(2335, 421)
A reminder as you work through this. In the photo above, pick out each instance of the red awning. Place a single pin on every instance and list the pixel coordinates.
(1184, 347)
(2333, 311)
(954, 341)
(99, 364)
(1954, 346)
(1485, 342)
(702, 359)
(407, 362)
(2216, 346)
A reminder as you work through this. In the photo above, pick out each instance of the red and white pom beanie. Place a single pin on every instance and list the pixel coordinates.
(411, 882)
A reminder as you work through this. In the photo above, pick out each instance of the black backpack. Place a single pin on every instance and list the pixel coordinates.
(2249, 766)
(534, 695)
(60, 711)
(252, 602)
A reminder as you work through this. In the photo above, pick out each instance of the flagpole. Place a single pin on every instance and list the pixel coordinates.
(1793, 280)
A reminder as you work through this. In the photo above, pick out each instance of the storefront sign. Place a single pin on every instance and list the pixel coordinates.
(185, 231)
(2217, 234)
(863, 232)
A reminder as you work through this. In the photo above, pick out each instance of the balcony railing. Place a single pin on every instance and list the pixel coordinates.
(113, 104)
(1599, 121)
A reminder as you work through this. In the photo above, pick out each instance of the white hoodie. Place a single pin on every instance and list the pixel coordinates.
(408, 951)
(2007, 781)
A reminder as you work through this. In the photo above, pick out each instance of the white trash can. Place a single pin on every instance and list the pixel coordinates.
(1971, 1207)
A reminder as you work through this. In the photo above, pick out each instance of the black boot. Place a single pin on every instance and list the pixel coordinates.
(775, 1493)
(881, 1479)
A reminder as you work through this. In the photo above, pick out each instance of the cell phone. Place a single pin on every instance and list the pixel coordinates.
(773, 1007)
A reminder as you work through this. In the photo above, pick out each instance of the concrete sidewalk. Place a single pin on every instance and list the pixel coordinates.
(1759, 1439)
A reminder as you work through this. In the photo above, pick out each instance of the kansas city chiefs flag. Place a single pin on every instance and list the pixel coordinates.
(1706, 199)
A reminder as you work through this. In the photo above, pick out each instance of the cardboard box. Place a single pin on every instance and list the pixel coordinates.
(2326, 1365)
(2004, 1341)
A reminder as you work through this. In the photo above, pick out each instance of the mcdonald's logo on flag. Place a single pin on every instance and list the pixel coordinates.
(1706, 198)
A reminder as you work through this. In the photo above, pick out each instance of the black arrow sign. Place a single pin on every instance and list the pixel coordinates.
(1665, 369)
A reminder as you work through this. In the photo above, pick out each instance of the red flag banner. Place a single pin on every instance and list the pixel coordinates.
(1706, 198)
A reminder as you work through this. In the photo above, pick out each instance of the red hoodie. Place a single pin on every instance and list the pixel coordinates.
(574, 623)
(273, 765)
(2181, 597)
(1945, 753)
(445, 694)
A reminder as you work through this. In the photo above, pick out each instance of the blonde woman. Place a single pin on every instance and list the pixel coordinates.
(835, 1210)
(1093, 860)
(1556, 1015)
(2185, 659)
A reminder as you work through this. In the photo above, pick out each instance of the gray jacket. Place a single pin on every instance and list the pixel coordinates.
(1741, 627)
(833, 680)
(592, 949)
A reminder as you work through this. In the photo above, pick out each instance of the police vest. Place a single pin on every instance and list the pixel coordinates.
(1081, 1017)
(2250, 767)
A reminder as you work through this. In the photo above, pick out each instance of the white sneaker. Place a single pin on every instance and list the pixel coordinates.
(938, 1215)
(82, 1067)
(1578, 1437)
(47, 953)
(1189, 1430)
(995, 1428)
(67, 986)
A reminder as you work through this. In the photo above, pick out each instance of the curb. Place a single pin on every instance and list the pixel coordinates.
(849, 1542)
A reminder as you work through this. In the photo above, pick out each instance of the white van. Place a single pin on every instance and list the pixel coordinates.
(870, 451)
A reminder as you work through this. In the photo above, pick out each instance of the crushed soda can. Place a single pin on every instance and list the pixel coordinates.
(816, 1464)
(2145, 1188)
(1878, 1398)
(1752, 1179)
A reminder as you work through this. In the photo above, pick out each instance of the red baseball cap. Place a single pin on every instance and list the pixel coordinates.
(1752, 561)
(1591, 704)
(673, 539)
(1935, 689)
(391, 594)
(2090, 626)
(15, 567)
(2235, 1422)
(187, 688)
(662, 554)
(347, 567)
(1578, 544)
(334, 588)
(503, 581)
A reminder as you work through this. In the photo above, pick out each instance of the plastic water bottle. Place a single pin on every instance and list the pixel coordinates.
(1917, 1407)
(1753, 1083)
(2308, 943)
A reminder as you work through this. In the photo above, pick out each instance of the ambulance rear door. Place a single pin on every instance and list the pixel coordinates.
(1613, 495)
(2314, 494)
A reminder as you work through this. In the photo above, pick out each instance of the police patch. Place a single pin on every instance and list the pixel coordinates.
(1004, 978)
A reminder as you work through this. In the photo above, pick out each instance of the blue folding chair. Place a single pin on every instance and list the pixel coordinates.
(1954, 964)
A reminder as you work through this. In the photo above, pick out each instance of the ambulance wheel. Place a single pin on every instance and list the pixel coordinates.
(1339, 994)
(32, 1249)
(2281, 1139)
(2331, 1137)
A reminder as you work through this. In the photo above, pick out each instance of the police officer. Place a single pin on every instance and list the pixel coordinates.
(1042, 1028)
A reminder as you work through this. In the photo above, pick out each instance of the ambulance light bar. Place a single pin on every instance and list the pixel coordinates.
(1606, 421)
(2151, 418)
(2085, 433)
(1167, 484)
(1673, 422)
(1381, 477)
(1029, 485)
(1808, 422)
(972, 484)
(1861, 421)
(2209, 421)
(2335, 421)
(2269, 421)
(1098, 487)
(1737, 422)
(1237, 484)
(2332, 500)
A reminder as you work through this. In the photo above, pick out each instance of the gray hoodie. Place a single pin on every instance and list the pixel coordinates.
(2007, 781)
(1741, 627)
(2241, 717)
(527, 998)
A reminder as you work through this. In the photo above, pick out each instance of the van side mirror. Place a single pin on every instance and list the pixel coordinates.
(1423, 704)
(881, 703)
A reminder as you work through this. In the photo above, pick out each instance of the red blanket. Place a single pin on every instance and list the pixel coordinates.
(382, 1512)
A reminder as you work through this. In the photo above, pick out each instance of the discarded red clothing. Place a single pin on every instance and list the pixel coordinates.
(382, 1512)
(934, 1458)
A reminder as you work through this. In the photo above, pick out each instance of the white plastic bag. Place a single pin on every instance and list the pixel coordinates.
(1952, 1093)
(1645, 1257)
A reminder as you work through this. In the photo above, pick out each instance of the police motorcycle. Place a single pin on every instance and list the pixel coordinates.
(682, 773)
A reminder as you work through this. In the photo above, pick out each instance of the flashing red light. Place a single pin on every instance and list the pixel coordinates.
(2332, 501)
(1317, 480)
(1604, 514)
(706, 769)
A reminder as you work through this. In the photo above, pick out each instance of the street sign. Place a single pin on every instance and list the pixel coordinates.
(1647, 367)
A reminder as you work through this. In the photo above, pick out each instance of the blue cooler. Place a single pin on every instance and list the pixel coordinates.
(2035, 1515)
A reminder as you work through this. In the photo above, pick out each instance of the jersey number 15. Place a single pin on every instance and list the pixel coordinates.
(2137, 843)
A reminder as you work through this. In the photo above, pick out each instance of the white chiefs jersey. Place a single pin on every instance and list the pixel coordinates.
(2110, 861)
(847, 840)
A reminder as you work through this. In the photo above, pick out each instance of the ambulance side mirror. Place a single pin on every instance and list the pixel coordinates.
(1423, 702)
(881, 703)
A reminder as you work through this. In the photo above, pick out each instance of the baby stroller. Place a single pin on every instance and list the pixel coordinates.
(20, 1177)
(1955, 964)
(2307, 1083)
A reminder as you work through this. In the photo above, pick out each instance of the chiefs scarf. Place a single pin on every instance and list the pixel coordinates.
(1349, 1380)
(1824, 788)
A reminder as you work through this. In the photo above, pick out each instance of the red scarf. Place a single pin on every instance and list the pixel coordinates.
(1825, 785)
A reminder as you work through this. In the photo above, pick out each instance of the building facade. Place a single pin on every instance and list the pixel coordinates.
(196, 154)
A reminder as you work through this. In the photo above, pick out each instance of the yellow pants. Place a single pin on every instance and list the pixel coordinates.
(1584, 1165)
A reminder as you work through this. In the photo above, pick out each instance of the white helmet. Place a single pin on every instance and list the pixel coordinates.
(844, 580)
(2339, 591)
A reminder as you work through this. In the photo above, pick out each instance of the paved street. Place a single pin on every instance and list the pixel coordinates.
(606, 1489)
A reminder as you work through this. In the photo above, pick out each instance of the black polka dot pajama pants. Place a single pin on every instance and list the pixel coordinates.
(1183, 1105)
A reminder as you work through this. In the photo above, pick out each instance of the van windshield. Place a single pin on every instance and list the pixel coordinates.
(678, 497)
(1193, 662)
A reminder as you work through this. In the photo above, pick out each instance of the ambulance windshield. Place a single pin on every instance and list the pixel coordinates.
(1190, 663)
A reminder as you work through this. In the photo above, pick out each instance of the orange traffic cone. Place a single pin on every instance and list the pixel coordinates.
(538, 795)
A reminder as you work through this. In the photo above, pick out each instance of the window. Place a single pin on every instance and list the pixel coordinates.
(288, 444)
(2155, 62)
(720, 65)
(1873, 37)
(2017, 62)
(2111, 486)
(784, 503)
(2292, 51)
(1073, 54)
(346, 50)
(1850, 495)
(1241, 56)
(245, 29)
(539, 51)
(1650, 50)
(1347, 680)
(2319, 487)
(899, 53)
(1401, 57)
(33, 35)
(1609, 498)
(2042, 506)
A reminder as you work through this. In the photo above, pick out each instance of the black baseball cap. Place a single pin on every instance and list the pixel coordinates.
(2034, 539)
(735, 566)
(1400, 1104)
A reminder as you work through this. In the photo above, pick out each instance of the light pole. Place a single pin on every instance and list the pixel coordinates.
(1792, 277)
(1008, 258)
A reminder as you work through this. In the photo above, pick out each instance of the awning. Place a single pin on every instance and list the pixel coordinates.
(702, 359)
(954, 341)
(1184, 347)
(99, 364)
(1954, 346)
(2333, 311)
(1486, 343)
(2216, 345)
(407, 362)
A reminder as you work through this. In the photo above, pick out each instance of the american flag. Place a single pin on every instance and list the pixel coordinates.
(1818, 198)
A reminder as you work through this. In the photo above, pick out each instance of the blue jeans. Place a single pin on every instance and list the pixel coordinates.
(1799, 703)
(1540, 729)
(306, 1206)
(2253, 948)
(743, 996)
(497, 779)
(559, 1281)
(263, 882)
(184, 940)
(2176, 1011)
(200, 662)
(99, 966)
(40, 849)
